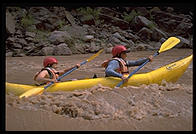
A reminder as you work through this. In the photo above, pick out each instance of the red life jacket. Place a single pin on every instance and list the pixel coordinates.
(123, 67)
(52, 75)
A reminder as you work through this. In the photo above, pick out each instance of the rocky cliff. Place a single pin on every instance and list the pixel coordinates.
(38, 31)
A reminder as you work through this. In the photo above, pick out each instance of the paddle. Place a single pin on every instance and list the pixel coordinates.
(168, 44)
(41, 89)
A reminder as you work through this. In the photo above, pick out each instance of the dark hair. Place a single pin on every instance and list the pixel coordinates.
(49, 65)
(119, 55)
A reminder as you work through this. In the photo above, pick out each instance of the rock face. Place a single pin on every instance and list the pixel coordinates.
(62, 49)
(10, 23)
(58, 37)
(65, 31)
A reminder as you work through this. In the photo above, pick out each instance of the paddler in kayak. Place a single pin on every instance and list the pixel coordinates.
(49, 72)
(118, 66)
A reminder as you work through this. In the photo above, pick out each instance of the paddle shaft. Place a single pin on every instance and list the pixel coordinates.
(68, 72)
(119, 84)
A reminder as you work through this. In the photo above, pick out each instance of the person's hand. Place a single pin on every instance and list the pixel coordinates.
(77, 65)
(54, 80)
(124, 78)
(150, 58)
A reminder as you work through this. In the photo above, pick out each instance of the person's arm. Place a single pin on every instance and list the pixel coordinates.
(138, 62)
(112, 66)
(66, 70)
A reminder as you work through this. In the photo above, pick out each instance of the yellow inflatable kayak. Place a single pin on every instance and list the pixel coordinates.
(170, 73)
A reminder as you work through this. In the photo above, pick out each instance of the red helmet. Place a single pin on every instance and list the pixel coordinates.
(118, 49)
(49, 61)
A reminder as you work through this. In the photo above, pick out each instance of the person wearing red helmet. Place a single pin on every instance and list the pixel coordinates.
(118, 66)
(49, 72)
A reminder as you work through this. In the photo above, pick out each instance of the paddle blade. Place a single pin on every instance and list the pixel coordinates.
(169, 43)
(32, 92)
(95, 55)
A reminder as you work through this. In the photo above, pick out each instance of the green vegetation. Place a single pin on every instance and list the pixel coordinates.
(152, 26)
(41, 35)
(90, 13)
(60, 24)
(129, 17)
(151, 10)
(27, 20)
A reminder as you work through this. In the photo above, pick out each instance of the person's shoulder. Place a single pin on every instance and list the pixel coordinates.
(113, 61)
(44, 71)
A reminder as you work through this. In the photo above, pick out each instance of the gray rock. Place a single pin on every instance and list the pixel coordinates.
(170, 9)
(114, 21)
(117, 35)
(62, 49)
(58, 37)
(30, 34)
(139, 22)
(70, 18)
(157, 34)
(142, 11)
(76, 32)
(80, 47)
(29, 39)
(18, 53)
(184, 43)
(9, 54)
(114, 40)
(108, 50)
(145, 34)
(88, 38)
(142, 47)
(184, 29)
(93, 47)
(47, 50)
(15, 46)
(10, 23)
(108, 11)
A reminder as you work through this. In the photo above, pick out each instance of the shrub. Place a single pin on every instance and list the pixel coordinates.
(129, 17)
(90, 13)
(27, 20)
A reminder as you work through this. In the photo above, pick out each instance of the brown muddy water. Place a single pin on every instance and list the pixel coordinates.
(151, 107)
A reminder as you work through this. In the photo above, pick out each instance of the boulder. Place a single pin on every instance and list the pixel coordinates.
(80, 47)
(62, 49)
(93, 47)
(18, 53)
(88, 38)
(142, 11)
(142, 47)
(184, 29)
(184, 43)
(114, 21)
(145, 34)
(89, 20)
(172, 23)
(10, 23)
(157, 34)
(139, 22)
(30, 34)
(47, 50)
(108, 50)
(75, 31)
(58, 37)
(108, 11)
(44, 19)
(9, 54)
(70, 18)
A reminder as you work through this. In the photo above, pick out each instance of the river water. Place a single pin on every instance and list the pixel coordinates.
(152, 107)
